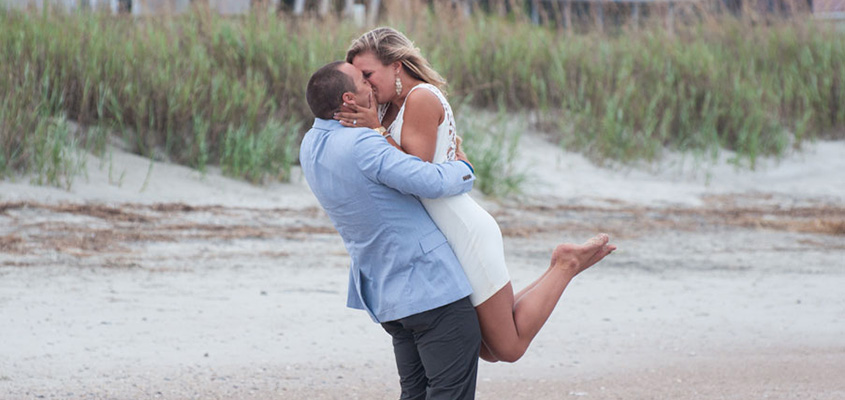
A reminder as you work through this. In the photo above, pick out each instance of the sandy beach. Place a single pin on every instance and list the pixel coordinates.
(152, 281)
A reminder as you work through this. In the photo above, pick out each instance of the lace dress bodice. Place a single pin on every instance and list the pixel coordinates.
(446, 133)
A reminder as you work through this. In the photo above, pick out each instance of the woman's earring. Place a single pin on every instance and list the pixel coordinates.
(398, 86)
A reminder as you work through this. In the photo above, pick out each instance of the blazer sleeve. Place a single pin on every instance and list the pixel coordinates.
(387, 165)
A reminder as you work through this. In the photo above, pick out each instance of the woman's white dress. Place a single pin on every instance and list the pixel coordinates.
(471, 231)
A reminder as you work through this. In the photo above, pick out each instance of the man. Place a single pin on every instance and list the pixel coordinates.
(403, 272)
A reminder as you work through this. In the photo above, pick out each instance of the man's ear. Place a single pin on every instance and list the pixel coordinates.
(347, 97)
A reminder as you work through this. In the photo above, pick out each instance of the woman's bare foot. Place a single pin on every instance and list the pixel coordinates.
(575, 258)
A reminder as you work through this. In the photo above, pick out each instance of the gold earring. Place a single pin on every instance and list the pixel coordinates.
(398, 86)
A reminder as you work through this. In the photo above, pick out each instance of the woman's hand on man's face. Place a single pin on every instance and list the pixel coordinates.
(353, 115)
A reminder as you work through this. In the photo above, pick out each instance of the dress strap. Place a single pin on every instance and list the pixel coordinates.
(433, 89)
(449, 118)
(382, 110)
(446, 131)
(400, 116)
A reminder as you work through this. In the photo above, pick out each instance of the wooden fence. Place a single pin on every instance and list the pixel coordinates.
(559, 12)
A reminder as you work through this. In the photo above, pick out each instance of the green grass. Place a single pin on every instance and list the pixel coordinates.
(626, 97)
(55, 153)
(205, 90)
(198, 89)
(491, 142)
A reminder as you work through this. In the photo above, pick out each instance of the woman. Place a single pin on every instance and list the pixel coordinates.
(419, 121)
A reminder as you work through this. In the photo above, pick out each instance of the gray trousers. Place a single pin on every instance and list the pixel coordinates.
(437, 352)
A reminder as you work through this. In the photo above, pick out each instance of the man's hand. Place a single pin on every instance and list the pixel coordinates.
(357, 116)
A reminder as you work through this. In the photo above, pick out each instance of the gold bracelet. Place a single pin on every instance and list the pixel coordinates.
(382, 131)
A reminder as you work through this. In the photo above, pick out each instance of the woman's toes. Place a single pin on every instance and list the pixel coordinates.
(600, 240)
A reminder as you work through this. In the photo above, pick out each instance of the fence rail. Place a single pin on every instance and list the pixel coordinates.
(367, 11)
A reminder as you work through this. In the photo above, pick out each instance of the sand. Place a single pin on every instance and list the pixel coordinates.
(158, 282)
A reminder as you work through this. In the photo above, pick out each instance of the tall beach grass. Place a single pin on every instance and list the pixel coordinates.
(194, 89)
(754, 89)
(199, 89)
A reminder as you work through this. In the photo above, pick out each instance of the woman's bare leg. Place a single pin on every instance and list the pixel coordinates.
(528, 288)
(508, 325)
(486, 354)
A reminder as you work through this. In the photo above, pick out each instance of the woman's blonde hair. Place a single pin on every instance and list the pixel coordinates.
(389, 46)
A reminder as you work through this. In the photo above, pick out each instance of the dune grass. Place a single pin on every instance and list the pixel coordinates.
(491, 141)
(194, 89)
(752, 89)
(199, 89)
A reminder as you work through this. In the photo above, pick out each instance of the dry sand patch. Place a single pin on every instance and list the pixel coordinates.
(204, 287)
(114, 229)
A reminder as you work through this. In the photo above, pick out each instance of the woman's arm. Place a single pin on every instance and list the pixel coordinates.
(394, 144)
(423, 114)
(408, 174)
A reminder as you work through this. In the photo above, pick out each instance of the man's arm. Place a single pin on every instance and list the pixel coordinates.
(389, 166)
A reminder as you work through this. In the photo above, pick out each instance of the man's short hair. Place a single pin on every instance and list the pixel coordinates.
(325, 89)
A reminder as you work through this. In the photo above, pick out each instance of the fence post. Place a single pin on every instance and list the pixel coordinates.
(323, 7)
(466, 7)
(635, 16)
(298, 7)
(670, 18)
(372, 12)
(567, 15)
(599, 14)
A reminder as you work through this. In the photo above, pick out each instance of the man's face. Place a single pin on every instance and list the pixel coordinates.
(363, 90)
